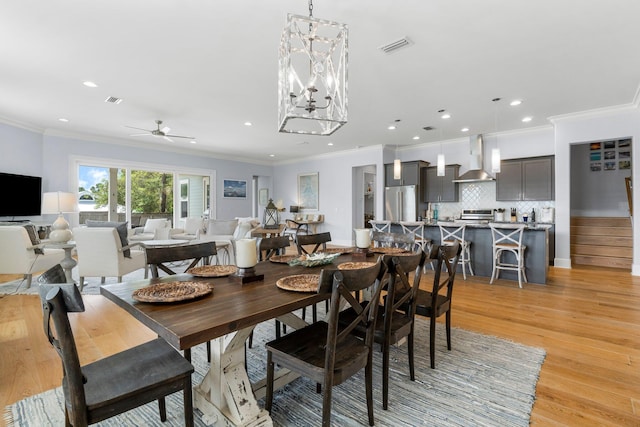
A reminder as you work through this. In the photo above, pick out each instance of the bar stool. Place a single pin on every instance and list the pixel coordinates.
(417, 228)
(508, 237)
(451, 232)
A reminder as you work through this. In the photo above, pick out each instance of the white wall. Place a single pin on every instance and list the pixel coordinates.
(577, 129)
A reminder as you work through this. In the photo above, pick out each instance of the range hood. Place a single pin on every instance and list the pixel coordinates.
(476, 172)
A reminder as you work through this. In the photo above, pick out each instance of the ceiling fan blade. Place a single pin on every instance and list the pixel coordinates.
(166, 129)
(180, 136)
(168, 139)
(131, 127)
(140, 134)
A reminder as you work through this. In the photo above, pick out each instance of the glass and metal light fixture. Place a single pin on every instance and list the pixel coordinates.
(495, 152)
(440, 165)
(271, 216)
(312, 81)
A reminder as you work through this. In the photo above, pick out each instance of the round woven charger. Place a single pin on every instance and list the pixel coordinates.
(172, 292)
(282, 259)
(299, 283)
(388, 250)
(213, 270)
(355, 265)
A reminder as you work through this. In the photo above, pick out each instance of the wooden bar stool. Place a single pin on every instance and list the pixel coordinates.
(451, 232)
(508, 238)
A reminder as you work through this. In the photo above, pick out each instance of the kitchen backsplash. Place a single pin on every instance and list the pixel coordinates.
(482, 195)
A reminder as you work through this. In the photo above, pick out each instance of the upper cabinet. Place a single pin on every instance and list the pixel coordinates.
(412, 173)
(442, 188)
(526, 179)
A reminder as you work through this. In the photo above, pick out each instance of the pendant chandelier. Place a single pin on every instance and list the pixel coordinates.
(312, 79)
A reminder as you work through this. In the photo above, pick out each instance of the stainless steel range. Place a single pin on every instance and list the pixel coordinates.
(476, 216)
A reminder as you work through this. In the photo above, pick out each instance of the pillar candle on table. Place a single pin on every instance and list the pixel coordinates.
(363, 237)
(246, 253)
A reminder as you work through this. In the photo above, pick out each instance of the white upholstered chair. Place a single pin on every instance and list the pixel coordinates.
(18, 255)
(153, 229)
(101, 254)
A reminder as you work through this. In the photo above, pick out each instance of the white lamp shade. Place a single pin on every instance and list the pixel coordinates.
(58, 202)
(495, 160)
(440, 165)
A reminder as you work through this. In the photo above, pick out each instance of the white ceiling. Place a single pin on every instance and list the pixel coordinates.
(207, 66)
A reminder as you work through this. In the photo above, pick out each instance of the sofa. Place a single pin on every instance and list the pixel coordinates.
(191, 228)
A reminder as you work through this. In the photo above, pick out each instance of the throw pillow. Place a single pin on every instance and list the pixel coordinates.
(121, 228)
(33, 236)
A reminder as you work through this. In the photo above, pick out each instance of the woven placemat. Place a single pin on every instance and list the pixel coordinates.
(213, 270)
(282, 259)
(172, 292)
(299, 283)
(339, 250)
(355, 265)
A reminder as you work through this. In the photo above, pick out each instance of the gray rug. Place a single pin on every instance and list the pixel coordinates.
(483, 381)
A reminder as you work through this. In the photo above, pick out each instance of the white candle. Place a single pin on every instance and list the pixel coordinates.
(246, 253)
(363, 238)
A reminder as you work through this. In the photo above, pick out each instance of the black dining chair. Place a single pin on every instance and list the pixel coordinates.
(437, 301)
(323, 351)
(117, 383)
(319, 242)
(394, 324)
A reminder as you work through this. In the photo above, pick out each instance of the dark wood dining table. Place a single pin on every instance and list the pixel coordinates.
(225, 317)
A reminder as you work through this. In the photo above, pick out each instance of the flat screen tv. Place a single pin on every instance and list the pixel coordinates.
(22, 195)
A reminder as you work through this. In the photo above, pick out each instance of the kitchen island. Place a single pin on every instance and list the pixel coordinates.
(536, 258)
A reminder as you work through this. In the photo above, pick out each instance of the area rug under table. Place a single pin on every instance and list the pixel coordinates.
(482, 381)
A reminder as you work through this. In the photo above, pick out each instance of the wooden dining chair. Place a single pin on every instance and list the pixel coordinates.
(382, 239)
(326, 353)
(437, 301)
(117, 383)
(394, 325)
(268, 247)
(319, 240)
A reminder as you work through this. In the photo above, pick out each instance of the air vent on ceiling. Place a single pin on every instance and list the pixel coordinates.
(395, 45)
(113, 100)
(428, 128)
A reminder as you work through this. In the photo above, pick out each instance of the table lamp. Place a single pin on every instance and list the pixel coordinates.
(58, 202)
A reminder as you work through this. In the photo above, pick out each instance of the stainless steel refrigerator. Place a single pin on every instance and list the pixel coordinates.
(400, 203)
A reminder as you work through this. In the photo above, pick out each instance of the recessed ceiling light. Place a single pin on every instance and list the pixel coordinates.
(330, 144)
(464, 130)
(63, 120)
(416, 137)
(527, 119)
(272, 155)
(515, 102)
(193, 141)
(89, 84)
(391, 127)
(446, 116)
(248, 124)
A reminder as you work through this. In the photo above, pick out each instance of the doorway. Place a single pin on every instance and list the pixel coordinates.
(364, 195)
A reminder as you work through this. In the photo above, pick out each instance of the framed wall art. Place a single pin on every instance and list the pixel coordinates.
(308, 196)
(263, 196)
(234, 189)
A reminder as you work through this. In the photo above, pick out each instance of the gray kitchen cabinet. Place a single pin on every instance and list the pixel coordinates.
(442, 188)
(526, 179)
(412, 173)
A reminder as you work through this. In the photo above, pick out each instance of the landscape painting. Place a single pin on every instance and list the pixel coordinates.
(235, 189)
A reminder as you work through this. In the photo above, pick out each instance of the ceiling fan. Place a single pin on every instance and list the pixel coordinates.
(164, 132)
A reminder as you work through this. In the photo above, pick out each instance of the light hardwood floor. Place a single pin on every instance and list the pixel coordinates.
(587, 319)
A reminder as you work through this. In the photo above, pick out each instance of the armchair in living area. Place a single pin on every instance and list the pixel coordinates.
(101, 253)
(153, 229)
(228, 231)
(19, 255)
